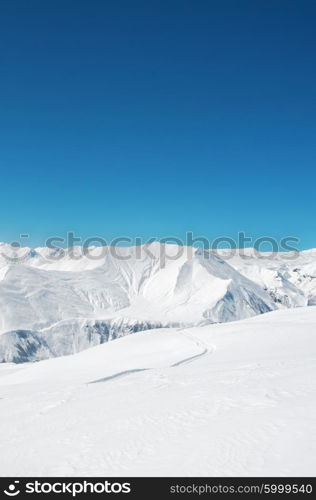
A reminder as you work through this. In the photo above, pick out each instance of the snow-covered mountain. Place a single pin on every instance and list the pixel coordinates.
(233, 399)
(290, 279)
(51, 307)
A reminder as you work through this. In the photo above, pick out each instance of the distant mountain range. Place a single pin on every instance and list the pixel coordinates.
(52, 307)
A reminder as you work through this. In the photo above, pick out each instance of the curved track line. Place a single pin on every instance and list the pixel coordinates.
(205, 350)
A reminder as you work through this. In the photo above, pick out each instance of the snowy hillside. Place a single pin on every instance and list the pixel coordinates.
(228, 399)
(52, 307)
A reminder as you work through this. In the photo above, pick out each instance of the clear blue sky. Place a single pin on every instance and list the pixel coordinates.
(155, 117)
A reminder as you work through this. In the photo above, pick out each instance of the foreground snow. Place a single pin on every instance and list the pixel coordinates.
(228, 399)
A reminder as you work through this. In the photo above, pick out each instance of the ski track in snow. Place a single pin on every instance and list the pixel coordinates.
(198, 343)
(205, 349)
(119, 375)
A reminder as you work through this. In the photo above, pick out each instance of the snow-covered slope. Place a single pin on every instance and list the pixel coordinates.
(51, 307)
(227, 399)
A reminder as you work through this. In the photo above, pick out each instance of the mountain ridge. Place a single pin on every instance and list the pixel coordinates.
(70, 304)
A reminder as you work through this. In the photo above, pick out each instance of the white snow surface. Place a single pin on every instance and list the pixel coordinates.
(231, 399)
(52, 307)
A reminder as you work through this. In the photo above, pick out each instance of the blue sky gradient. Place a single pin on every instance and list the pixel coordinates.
(153, 118)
